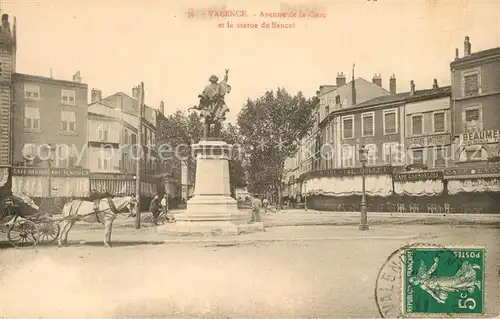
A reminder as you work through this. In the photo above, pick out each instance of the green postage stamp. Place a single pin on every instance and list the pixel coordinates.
(443, 281)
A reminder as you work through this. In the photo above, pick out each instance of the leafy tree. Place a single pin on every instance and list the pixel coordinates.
(272, 127)
(175, 135)
(237, 174)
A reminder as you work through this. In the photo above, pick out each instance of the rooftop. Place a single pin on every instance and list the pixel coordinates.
(477, 55)
(43, 79)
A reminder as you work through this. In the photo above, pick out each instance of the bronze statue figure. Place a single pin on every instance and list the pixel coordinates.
(212, 106)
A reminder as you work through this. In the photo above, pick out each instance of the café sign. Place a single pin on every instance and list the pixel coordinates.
(418, 176)
(481, 137)
(56, 172)
(428, 140)
(355, 171)
(470, 172)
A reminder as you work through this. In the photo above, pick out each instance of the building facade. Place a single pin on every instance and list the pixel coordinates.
(7, 68)
(39, 103)
(317, 150)
(113, 141)
(475, 177)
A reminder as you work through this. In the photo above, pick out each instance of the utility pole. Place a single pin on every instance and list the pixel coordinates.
(138, 157)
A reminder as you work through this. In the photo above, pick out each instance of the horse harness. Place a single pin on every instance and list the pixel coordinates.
(111, 205)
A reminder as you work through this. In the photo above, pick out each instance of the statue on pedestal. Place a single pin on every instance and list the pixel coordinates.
(212, 106)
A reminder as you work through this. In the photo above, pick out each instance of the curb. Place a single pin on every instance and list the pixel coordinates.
(234, 241)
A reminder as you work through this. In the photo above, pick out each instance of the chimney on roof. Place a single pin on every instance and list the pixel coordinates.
(162, 107)
(435, 84)
(77, 78)
(95, 96)
(353, 88)
(340, 79)
(377, 79)
(467, 46)
(392, 84)
(136, 92)
(456, 54)
(412, 87)
(5, 23)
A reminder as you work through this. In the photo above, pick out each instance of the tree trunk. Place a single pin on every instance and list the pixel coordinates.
(279, 206)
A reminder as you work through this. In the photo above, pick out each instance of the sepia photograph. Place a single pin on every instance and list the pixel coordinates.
(250, 159)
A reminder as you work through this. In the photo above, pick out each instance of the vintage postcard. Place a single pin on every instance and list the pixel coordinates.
(249, 159)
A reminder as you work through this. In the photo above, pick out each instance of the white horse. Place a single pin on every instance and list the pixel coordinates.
(81, 210)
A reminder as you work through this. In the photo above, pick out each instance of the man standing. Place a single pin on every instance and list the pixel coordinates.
(265, 204)
(154, 207)
(256, 206)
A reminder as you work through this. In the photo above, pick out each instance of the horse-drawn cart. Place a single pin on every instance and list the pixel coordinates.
(25, 225)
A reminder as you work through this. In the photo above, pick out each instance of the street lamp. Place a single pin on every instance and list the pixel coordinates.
(305, 195)
(50, 150)
(363, 152)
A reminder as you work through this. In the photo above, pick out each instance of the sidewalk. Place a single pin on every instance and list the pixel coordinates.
(295, 217)
(278, 234)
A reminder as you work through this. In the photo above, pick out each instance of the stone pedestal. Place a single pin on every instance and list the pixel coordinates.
(212, 211)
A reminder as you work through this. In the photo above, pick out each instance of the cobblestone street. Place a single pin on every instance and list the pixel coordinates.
(282, 273)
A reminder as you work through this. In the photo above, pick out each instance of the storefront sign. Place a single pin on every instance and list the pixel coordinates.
(472, 171)
(429, 140)
(355, 171)
(481, 137)
(418, 176)
(111, 176)
(56, 172)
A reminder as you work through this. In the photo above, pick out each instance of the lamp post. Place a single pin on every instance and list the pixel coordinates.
(138, 155)
(305, 195)
(50, 149)
(363, 159)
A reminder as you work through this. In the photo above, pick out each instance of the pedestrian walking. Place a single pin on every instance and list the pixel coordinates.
(154, 207)
(256, 206)
(164, 206)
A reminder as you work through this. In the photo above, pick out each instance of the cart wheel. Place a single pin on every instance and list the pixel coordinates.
(49, 231)
(23, 233)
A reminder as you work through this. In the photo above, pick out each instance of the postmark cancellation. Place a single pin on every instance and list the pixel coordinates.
(422, 280)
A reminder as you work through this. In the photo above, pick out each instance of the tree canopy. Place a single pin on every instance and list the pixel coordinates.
(271, 128)
(175, 135)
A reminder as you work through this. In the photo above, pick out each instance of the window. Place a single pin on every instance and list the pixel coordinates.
(330, 102)
(472, 117)
(68, 122)
(417, 125)
(438, 122)
(104, 159)
(347, 156)
(327, 110)
(31, 92)
(29, 151)
(65, 156)
(372, 154)
(417, 157)
(68, 97)
(368, 124)
(471, 83)
(337, 99)
(390, 122)
(133, 139)
(32, 118)
(475, 153)
(103, 132)
(348, 126)
(392, 153)
(440, 157)
(125, 136)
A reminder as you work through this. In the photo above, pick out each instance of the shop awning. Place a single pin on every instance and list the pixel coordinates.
(419, 188)
(473, 186)
(37, 186)
(376, 185)
(122, 187)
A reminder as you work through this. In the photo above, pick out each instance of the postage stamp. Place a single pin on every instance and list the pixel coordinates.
(441, 281)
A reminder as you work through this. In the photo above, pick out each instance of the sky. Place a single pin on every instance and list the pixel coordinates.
(117, 44)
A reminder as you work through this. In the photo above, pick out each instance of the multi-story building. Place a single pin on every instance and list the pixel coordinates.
(476, 129)
(316, 150)
(112, 140)
(7, 67)
(39, 102)
(428, 128)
